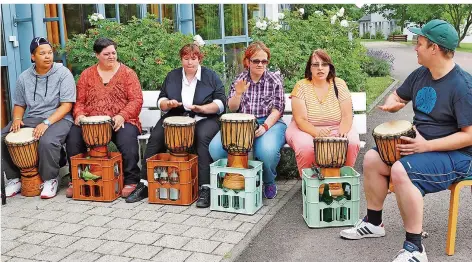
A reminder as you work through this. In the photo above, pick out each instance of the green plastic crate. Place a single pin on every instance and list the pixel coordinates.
(317, 213)
(246, 201)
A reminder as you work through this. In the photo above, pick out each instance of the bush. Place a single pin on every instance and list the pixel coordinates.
(150, 48)
(292, 43)
(379, 35)
(378, 63)
(396, 32)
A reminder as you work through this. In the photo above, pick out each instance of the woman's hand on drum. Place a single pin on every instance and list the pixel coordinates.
(39, 130)
(260, 131)
(241, 86)
(16, 125)
(415, 145)
(119, 122)
(77, 120)
(197, 109)
(172, 103)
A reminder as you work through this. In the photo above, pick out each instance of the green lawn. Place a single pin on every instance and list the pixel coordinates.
(373, 40)
(465, 47)
(375, 86)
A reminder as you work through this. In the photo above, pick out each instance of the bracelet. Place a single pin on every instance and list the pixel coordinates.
(266, 127)
(17, 118)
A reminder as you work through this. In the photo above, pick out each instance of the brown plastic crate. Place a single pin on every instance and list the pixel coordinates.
(106, 189)
(188, 180)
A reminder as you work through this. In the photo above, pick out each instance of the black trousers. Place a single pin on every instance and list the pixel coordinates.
(205, 130)
(126, 139)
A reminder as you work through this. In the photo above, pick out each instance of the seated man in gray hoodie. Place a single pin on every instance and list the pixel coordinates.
(47, 90)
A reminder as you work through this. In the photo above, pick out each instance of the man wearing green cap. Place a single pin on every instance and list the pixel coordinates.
(441, 153)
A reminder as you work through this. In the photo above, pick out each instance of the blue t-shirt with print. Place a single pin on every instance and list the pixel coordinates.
(441, 106)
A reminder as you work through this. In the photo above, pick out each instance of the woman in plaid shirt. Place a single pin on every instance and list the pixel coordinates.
(259, 92)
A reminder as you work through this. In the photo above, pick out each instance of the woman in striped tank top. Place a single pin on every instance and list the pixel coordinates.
(320, 111)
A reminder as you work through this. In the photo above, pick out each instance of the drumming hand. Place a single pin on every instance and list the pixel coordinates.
(119, 122)
(39, 130)
(16, 125)
(260, 131)
(392, 106)
(197, 109)
(172, 103)
(415, 145)
(77, 120)
(241, 86)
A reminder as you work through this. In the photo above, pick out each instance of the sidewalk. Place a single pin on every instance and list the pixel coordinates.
(62, 229)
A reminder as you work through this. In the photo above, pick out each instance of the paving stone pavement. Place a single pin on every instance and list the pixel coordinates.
(62, 229)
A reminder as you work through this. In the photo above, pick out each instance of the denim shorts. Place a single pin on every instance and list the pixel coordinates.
(432, 172)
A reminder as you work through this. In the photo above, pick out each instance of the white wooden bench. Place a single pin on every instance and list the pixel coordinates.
(150, 117)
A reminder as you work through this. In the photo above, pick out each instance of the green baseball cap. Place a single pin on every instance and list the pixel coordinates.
(439, 32)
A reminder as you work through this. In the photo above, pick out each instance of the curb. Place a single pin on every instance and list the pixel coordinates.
(380, 97)
(241, 246)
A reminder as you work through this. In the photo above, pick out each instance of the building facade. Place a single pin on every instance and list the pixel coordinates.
(372, 23)
(222, 24)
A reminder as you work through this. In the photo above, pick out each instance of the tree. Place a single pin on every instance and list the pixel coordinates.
(351, 10)
(460, 16)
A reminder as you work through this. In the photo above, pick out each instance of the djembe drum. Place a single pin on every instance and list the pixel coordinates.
(237, 138)
(330, 155)
(23, 149)
(178, 136)
(96, 132)
(387, 137)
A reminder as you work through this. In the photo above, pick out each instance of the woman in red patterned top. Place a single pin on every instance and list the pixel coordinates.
(112, 89)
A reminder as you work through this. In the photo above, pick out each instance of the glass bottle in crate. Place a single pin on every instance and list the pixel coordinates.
(174, 177)
(157, 173)
(163, 178)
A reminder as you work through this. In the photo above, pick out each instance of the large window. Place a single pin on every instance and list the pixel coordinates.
(127, 11)
(234, 20)
(76, 18)
(254, 11)
(168, 11)
(207, 21)
(233, 59)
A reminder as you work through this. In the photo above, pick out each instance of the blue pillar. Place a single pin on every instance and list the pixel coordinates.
(37, 15)
(186, 19)
(25, 33)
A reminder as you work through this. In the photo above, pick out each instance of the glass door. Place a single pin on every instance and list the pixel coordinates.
(10, 61)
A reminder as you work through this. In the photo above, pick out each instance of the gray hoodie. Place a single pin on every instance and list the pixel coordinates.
(42, 94)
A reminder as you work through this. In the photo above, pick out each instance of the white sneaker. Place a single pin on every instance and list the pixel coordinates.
(363, 229)
(49, 188)
(410, 252)
(13, 187)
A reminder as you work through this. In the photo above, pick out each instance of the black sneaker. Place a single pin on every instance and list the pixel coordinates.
(138, 194)
(204, 199)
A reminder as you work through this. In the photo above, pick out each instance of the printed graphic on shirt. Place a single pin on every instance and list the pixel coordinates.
(426, 99)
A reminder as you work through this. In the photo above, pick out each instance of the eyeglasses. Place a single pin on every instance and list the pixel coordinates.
(324, 64)
(257, 61)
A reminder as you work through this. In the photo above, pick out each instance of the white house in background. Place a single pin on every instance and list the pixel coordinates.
(376, 22)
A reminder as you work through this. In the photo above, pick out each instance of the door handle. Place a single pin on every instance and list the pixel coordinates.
(12, 38)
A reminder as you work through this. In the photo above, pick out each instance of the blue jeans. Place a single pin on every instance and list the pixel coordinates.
(266, 149)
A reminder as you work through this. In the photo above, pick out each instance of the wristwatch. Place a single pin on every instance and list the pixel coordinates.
(46, 122)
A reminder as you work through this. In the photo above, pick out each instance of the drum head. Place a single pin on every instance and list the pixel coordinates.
(237, 117)
(95, 119)
(179, 120)
(24, 135)
(393, 127)
(330, 139)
